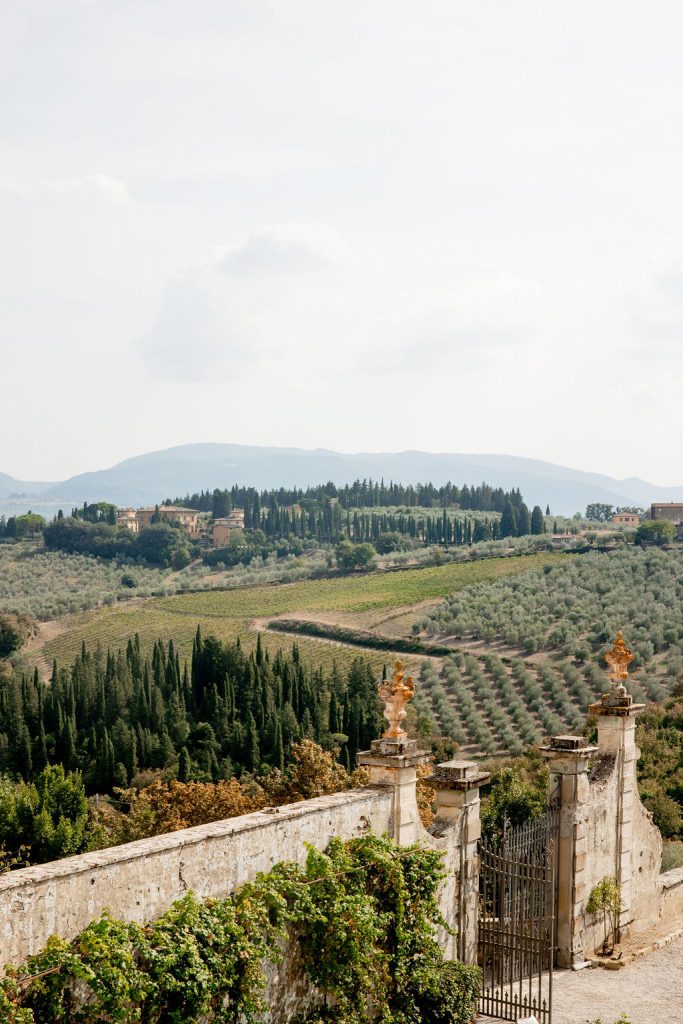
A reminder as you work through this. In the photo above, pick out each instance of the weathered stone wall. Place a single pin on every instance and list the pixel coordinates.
(605, 828)
(670, 899)
(141, 880)
(646, 863)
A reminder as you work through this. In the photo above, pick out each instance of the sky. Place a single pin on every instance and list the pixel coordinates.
(363, 225)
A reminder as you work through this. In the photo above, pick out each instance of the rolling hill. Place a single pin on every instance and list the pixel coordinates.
(149, 478)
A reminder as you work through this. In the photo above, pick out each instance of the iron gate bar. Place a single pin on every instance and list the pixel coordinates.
(516, 920)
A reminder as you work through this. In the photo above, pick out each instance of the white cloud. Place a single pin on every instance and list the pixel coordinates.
(656, 305)
(98, 186)
(193, 334)
(255, 303)
(247, 303)
(101, 187)
(14, 187)
(284, 249)
(489, 310)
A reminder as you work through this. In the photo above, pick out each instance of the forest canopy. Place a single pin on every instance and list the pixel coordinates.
(114, 715)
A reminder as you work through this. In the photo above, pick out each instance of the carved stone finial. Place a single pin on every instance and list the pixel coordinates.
(618, 659)
(395, 693)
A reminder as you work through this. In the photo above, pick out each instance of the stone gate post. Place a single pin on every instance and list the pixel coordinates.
(394, 763)
(567, 758)
(457, 784)
(616, 714)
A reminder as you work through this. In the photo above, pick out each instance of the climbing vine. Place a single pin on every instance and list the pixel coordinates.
(364, 915)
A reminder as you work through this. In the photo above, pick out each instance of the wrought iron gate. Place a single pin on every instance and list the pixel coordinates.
(516, 921)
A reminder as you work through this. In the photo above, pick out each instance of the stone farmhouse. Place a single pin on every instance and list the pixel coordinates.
(626, 519)
(672, 511)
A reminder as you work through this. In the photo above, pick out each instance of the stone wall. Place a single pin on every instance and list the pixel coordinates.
(670, 899)
(606, 843)
(141, 880)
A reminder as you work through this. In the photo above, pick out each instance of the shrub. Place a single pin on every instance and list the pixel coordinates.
(672, 856)
(605, 898)
(364, 914)
(453, 999)
(14, 632)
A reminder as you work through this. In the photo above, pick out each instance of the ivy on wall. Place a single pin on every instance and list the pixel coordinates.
(364, 914)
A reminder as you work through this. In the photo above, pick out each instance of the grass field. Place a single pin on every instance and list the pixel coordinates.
(234, 613)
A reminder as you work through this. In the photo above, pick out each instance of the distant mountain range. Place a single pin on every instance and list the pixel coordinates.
(147, 479)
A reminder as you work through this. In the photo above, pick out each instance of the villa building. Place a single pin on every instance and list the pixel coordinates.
(626, 519)
(141, 518)
(221, 529)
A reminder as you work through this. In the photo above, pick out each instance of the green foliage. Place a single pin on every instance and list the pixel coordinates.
(97, 512)
(508, 522)
(599, 512)
(623, 1019)
(159, 544)
(515, 797)
(660, 766)
(582, 599)
(605, 898)
(655, 531)
(364, 915)
(355, 556)
(667, 814)
(672, 856)
(18, 527)
(454, 997)
(48, 584)
(113, 715)
(14, 632)
(537, 520)
(46, 819)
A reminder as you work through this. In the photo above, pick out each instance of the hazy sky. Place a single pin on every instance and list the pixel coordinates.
(363, 225)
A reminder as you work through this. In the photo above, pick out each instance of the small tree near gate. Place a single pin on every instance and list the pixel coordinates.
(606, 897)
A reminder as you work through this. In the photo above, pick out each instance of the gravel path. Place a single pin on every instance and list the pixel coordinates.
(649, 991)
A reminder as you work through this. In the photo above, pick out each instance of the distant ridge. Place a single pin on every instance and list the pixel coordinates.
(148, 478)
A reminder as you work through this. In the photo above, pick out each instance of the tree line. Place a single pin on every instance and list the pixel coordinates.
(19, 527)
(360, 494)
(159, 544)
(220, 714)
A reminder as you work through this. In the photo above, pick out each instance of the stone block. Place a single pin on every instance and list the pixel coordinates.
(473, 831)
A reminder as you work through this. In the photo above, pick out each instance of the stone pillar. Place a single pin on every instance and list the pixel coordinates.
(457, 806)
(616, 714)
(394, 763)
(567, 758)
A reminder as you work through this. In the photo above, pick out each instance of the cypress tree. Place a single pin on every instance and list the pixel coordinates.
(252, 746)
(537, 520)
(40, 750)
(22, 752)
(523, 521)
(278, 758)
(508, 521)
(184, 766)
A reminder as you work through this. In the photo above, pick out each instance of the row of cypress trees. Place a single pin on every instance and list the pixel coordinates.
(360, 494)
(222, 713)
